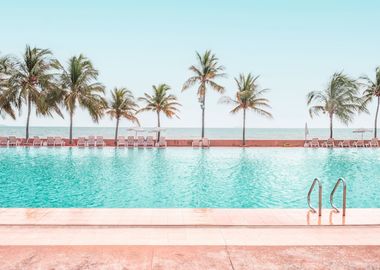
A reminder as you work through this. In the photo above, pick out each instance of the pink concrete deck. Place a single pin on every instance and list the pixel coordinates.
(188, 239)
(189, 258)
(187, 227)
(184, 217)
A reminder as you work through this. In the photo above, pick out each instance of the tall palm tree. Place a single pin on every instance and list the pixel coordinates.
(7, 100)
(371, 92)
(340, 99)
(33, 83)
(248, 97)
(160, 101)
(80, 87)
(122, 105)
(205, 73)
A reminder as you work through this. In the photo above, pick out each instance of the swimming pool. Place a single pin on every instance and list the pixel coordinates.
(184, 177)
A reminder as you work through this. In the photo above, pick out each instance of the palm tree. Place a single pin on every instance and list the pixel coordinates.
(160, 101)
(7, 100)
(340, 99)
(205, 73)
(122, 105)
(33, 83)
(371, 92)
(80, 87)
(248, 97)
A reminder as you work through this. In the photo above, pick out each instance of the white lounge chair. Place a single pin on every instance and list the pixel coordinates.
(314, 142)
(81, 142)
(345, 143)
(91, 141)
(58, 141)
(12, 141)
(205, 142)
(50, 141)
(359, 143)
(99, 141)
(121, 141)
(140, 141)
(3, 141)
(131, 141)
(196, 143)
(37, 141)
(374, 143)
(149, 142)
(329, 143)
(162, 142)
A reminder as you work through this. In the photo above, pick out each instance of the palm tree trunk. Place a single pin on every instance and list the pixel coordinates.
(203, 106)
(71, 128)
(244, 127)
(28, 118)
(331, 126)
(117, 129)
(158, 125)
(376, 115)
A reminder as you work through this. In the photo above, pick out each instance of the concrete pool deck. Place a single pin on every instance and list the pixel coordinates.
(188, 239)
(184, 217)
(245, 227)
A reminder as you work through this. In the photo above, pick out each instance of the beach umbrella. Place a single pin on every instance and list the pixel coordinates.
(362, 131)
(156, 130)
(136, 130)
(306, 131)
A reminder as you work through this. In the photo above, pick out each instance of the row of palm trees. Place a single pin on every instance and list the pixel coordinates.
(40, 82)
(342, 98)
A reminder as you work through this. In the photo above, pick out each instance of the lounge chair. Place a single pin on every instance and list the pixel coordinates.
(37, 141)
(374, 143)
(81, 142)
(91, 141)
(58, 141)
(149, 142)
(345, 143)
(12, 141)
(329, 143)
(162, 142)
(140, 141)
(50, 141)
(131, 141)
(314, 142)
(205, 142)
(359, 143)
(196, 143)
(121, 141)
(99, 141)
(3, 141)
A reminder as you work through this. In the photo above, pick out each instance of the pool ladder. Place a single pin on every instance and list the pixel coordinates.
(315, 181)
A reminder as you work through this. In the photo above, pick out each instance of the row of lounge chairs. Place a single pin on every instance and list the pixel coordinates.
(201, 143)
(35, 141)
(345, 143)
(91, 141)
(123, 142)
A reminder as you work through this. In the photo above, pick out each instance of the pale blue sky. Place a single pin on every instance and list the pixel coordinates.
(294, 45)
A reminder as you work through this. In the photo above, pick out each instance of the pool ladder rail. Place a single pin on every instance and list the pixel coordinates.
(315, 181)
(340, 180)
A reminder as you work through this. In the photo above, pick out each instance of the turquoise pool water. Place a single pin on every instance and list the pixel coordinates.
(184, 177)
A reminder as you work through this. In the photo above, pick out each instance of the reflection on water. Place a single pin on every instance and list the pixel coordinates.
(185, 177)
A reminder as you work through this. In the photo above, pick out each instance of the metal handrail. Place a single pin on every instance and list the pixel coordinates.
(316, 180)
(340, 180)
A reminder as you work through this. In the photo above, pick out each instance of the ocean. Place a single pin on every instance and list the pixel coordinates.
(190, 133)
